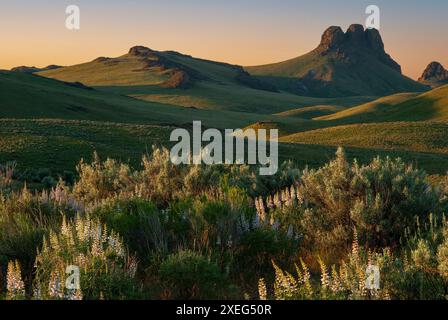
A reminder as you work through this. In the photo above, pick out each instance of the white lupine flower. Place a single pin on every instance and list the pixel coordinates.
(55, 289)
(75, 295)
(14, 283)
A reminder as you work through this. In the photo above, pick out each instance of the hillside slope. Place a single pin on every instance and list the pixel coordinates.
(370, 111)
(351, 63)
(34, 97)
(173, 78)
(422, 136)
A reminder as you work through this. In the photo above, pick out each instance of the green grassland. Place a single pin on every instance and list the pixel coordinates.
(335, 79)
(25, 96)
(216, 86)
(422, 136)
(60, 144)
(431, 105)
(311, 112)
(123, 70)
(126, 111)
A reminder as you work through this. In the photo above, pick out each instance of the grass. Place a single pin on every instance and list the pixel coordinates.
(123, 70)
(216, 86)
(431, 105)
(311, 112)
(332, 77)
(25, 96)
(408, 136)
(371, 110)
(59, 144)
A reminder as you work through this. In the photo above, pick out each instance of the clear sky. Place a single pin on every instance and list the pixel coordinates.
(245, 32)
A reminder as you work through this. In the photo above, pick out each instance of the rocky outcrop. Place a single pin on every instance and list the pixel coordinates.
(140, 51)
(347, 46)
(435, 74)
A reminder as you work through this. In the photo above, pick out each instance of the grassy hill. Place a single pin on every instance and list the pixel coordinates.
(181, 80)
(59, 145)
(311, 112)
(25, 96)
(431, 105)
(410, 136)
(369, 111)
(344, 64)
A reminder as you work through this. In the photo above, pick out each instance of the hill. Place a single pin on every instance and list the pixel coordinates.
(405, 136)
(352, 63)
(173, 78)
(26, 96)
(371, 111)
(26, 69)
(311, 112)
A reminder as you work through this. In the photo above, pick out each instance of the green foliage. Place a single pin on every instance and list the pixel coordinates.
(192, 276)
(196, 230)
(378, 199)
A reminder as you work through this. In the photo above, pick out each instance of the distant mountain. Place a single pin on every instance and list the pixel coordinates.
(344, 64)
(25, 69)
(434, 75)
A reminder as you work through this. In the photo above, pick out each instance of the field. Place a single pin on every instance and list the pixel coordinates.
(86, 179)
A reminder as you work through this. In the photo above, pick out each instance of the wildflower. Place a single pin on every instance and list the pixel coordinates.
(262, 291)
(55, 288)
(14, 283)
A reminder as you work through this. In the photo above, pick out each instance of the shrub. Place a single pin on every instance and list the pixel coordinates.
(259, 247)
(379, 199)
(189, 275)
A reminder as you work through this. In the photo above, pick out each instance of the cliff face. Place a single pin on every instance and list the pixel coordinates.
(355, 40)
(350, 63)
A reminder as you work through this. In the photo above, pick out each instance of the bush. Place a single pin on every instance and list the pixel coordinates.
(189, 275)
(379, 200)
(259, 247)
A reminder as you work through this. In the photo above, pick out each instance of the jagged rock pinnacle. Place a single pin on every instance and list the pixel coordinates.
(434, 72)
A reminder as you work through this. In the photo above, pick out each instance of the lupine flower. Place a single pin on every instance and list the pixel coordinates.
(14, 284)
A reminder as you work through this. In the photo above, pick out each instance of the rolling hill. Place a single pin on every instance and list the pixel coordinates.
(421, 136)
(173, 78)
(431, 105)
(370, 111)
(311, 112)
(352, 63)
(26, 96)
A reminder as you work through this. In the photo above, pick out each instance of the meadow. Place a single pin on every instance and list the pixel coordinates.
(86, 180)
(193, 232)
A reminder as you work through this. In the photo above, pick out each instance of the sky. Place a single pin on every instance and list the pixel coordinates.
(244, 32)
